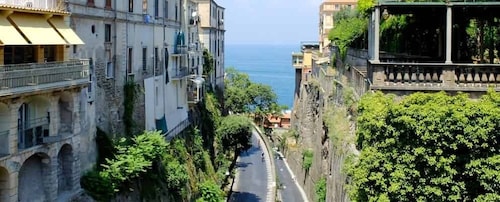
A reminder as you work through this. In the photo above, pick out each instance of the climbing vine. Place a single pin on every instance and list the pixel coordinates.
(131, 92)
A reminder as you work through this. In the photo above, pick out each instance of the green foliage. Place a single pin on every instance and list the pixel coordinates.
(427, 147)
(131, 93)
(236, 132)
(346, 30)
(339, 131)
(365, 6)
(244, 96)
(320, 189)
(129, 163)
(99, 188)
(307, 159)
(210, 192)
(208, 62)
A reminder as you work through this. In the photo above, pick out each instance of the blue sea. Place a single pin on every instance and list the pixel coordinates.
(267, 64)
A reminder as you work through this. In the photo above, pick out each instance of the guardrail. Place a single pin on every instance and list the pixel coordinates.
(180, 73)
(177, 129)
(16, 78)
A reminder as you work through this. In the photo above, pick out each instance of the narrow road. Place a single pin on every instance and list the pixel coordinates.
(251, 182)
(289, 190)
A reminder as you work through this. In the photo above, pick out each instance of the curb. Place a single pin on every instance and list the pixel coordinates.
(271, 193)
(304, 196)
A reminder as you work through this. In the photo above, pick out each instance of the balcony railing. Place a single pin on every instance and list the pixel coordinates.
(180, 50)
(38, 4)
(180, 73)
(435, 76)
(22, 78)
(178, 129)
(4, 143)
(32, 132)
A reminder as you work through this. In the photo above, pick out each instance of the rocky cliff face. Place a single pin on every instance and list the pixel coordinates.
(320, 119)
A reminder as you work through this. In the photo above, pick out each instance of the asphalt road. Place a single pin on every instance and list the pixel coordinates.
(251, 183)
(288, 189)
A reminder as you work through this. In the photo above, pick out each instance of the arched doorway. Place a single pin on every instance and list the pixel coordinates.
(4, 129)
(4, 184)
(34, 174)
(66, 113)
(65, 169)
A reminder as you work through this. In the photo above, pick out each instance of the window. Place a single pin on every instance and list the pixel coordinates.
(165, 10)
(74, 49)
(108, 4)
(109, 70)
(156, 58)
(176, 12)
(131, 6)
(107, 32)
(144, 58)
(90, 3)
(165, 62)
(144, 6)
(130, 55)
(157, 11)
(91, 72)
(337, 7)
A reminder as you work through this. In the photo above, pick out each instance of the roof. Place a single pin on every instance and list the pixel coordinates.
(33, 10)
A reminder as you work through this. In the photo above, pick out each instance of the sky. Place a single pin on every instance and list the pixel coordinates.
(270, 21)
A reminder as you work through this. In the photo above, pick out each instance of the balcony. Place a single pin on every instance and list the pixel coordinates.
(434, 76)
(25, 78)
(180, 73)
(32, 133)
(35, 4)
(195, 89)
(180, 50)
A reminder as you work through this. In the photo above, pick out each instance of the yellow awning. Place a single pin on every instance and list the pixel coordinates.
(37, 29)
(9, 35)
(65, 31)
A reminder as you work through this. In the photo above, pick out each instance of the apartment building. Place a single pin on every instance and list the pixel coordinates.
(303, 62)
(212, 36)
(327, 10)
(47, 127)
(153, 44)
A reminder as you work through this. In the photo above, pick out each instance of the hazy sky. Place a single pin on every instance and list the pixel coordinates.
(270, 21)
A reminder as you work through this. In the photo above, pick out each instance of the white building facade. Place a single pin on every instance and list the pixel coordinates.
(145, 41)
(212, 36)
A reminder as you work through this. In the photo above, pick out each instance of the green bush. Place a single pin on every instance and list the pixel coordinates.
(307, 159)
(320, 188)
(210, 192)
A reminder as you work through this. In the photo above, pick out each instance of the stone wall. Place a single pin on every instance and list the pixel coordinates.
(319, 99)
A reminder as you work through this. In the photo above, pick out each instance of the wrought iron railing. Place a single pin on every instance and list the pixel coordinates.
(39, 4)
(31, 76)
(180, 49)
(178, 129)
(180, 73)
(31, 133)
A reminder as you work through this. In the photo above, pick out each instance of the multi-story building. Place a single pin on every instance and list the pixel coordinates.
(303, 63)
(150, 43)
(327, 10)
(212, 36)
(47, 127)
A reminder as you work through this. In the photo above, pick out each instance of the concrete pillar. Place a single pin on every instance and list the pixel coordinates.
(60, 52)
(54, 115)
(376, 35)
(39, 54)
(13, 186)
(448, 34)
(1, 55)
(76, 111)
(49, 167)
(13, 133)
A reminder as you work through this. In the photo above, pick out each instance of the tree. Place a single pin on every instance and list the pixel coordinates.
(208, 62)
(427, 147)
(236, 132)
(210, 192)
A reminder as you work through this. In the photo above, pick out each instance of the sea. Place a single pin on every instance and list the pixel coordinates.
(268, 64)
